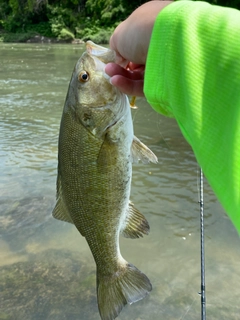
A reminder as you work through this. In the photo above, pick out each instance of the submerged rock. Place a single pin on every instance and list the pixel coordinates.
(51, 285)
(26, 213)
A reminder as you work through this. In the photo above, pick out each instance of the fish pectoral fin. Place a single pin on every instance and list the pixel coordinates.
(126, 285)
(60, 211)
(140, 151)
(107, 155)
(136, 225)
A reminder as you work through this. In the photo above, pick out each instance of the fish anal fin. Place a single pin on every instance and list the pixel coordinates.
(127, 285)
(135, 225)
(140, 151)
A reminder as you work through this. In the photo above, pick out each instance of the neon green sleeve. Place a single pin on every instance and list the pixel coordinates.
(193, 74)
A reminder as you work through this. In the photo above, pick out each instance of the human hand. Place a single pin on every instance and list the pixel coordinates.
(129, 80)
(130, 41)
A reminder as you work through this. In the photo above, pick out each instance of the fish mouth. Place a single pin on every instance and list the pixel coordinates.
(95, 49)
(104, 54)
(99, 65)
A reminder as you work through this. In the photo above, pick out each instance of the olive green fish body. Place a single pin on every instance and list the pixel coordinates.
(96, 150)
(95, 178)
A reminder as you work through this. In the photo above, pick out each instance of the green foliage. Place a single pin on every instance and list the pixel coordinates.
(15, 5)
(66, 19)
(20, 14)
(106, 11)
(62, 22)
(65, 34)
(42, 28)
(16, 37)
(13, 23)
(57, 24)
(96, 34)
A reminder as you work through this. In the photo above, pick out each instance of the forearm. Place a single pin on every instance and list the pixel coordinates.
(193, 45)
(193, 74)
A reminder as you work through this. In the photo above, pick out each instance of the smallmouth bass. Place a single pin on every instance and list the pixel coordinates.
(96, 150)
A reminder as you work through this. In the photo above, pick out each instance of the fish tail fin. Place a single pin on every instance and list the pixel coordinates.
(126, 285)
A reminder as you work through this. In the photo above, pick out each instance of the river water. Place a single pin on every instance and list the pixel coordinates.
(46, 268)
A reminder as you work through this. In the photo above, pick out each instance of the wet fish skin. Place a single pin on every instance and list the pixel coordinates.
(94, 179)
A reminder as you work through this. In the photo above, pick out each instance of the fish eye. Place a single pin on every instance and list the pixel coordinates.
(83, 76)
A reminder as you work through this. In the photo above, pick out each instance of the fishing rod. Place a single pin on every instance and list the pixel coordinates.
(202, 293)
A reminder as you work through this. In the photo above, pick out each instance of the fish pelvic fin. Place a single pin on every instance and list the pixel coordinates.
(127, 285)
(135, 225)
(60, 211)
(140, 151)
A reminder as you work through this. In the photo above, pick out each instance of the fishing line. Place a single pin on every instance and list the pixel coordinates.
(159, 120)
(202, 247)
(202, 293)
(189, 308)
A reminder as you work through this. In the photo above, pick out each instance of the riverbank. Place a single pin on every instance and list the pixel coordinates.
(32, 37)
(101, 36)
(42, 39)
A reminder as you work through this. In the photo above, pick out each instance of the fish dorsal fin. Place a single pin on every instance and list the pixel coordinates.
(60, 211)
(135, 225)
(140, 151)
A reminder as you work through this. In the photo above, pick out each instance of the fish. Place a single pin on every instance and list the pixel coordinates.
(96, 149)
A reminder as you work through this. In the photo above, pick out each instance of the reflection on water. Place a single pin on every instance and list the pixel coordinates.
(46, 269)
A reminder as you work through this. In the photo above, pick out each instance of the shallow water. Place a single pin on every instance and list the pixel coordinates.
(46, 268)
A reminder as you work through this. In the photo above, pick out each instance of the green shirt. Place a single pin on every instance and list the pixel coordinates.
(193, 74)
